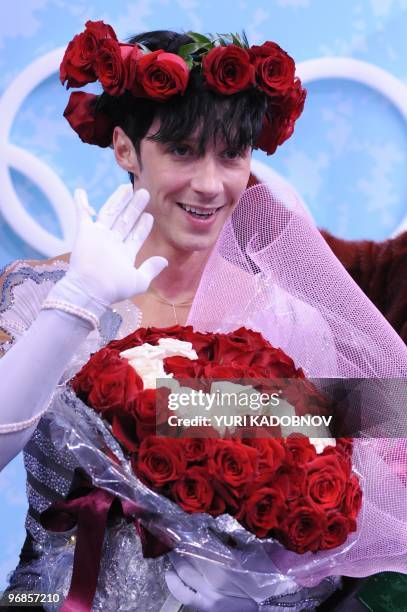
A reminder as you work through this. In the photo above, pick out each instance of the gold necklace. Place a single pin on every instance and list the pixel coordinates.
(159, 298)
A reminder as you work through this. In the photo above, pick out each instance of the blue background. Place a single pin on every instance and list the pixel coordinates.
(347, 157)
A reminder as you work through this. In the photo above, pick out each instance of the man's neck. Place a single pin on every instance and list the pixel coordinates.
(179, 281)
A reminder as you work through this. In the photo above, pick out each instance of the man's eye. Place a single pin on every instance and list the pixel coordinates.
(232, 153)
(180, 150)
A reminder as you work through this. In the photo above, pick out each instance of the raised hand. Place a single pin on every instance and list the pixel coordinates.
(103, 256)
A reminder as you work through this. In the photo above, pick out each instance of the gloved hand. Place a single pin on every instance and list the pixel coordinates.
(101, 270)
(200, 590)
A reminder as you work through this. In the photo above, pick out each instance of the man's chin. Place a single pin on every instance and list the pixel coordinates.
(194, 245)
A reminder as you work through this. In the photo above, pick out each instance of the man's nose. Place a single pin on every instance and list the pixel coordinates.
(207, 178)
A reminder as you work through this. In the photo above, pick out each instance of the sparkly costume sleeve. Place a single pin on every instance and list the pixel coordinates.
(125, 578)
(41, 345)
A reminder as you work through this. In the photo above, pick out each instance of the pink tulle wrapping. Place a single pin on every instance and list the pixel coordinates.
(272, 271)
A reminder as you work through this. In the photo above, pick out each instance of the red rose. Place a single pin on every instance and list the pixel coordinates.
(100, 30)
(263, 511)
(197, 449)
(284, 127)
(145, 430)
(279, 364)
(161, 75)
(218, 505)
(242, 346)
(84, 380)
(227, 349)
(277, 128)
(92, 127)
(338, 452)
(292, 103)
(226, 498)
(124, 428)
(271, 453)
(300, 449)
(227, 372)
(172, 331)
(105, 357)
(136, 338)
(303, 528)
(110, 67)
(202, 343)
(253, 340)
(131, 54)
(305, 397)
(280, 118)
(115, 387)
(288, 478)
(336, 531)
(193, 491)
(227, 70)
(353, 498)
(233, 463)
(151, 411)
(260, 359)
(326, 480)
(345, 446)
(270, 135)
(145, 406)
(153, 334)
(160, 461)
(76, 68)
(182, 367)
(275, 69)
(77, 64)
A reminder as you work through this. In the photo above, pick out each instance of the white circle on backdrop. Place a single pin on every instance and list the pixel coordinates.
(362, 72)
(36, 170)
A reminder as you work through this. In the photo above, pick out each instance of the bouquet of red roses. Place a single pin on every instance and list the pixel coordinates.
(275, 487)
(223, 494)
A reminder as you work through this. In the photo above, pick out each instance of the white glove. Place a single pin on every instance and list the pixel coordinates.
(101, 268)
(210, 586)
(101, 272)
(201, 591)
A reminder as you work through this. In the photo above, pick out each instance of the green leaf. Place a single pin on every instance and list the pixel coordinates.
(222, 39)
(244, 37)
(236, 40)
(190, 48)
(199, 38)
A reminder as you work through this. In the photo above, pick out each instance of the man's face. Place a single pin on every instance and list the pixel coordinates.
(179, 179)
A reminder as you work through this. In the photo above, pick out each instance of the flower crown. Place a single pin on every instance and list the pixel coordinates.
(228, 65)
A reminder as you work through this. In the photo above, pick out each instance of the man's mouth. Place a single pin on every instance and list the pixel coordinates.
(199, 213)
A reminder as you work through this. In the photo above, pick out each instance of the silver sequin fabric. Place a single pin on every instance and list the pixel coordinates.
(126, 581)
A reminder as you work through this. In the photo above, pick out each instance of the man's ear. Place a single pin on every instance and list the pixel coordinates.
(125, 152)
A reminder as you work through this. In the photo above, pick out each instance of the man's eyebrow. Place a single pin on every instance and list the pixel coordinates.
(195, 141)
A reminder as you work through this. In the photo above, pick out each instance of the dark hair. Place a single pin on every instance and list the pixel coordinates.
(236, 118)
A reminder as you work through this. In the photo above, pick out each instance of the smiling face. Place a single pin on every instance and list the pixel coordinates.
(192, 192)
